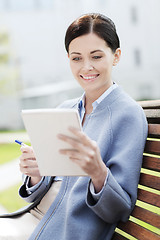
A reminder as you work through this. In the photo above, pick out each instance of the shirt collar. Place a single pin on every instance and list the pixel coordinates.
(99, 100)
(81, 101)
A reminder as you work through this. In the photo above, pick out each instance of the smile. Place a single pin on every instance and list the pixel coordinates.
(90, 77)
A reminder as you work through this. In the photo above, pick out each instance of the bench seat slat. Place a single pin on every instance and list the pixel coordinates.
(154, 130)
(152, 147)
(151, 163)
(146, 216)
(149, 181)
(137, 231)
(149, 197)
(117, 236)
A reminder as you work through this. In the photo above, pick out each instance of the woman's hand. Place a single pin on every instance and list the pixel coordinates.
(86, 154)
(28, 165)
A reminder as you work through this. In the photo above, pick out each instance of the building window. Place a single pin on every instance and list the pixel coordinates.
(6, 5)
(134, 14)
(137, 57)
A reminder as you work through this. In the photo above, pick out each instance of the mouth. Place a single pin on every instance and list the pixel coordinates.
(89, 78)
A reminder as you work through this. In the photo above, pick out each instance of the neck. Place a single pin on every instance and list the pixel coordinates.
(92, 96)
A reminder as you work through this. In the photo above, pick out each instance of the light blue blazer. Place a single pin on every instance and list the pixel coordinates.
(119, 127)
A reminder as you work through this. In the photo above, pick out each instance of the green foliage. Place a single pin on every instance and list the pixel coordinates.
(12, 131)
(9, 152)
(4, 58)
(4, 38)
(10, 199)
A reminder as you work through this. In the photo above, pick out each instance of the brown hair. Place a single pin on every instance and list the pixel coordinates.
(93, 23)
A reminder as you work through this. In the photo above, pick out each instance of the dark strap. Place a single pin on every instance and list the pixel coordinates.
(30, 206)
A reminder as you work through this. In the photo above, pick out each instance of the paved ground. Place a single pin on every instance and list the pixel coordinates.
(2, 210)
(9, 172)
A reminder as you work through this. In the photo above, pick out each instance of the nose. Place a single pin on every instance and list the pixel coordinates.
(87, 65)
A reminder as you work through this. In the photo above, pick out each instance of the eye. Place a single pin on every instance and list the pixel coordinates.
(76, 58)
(97, 57)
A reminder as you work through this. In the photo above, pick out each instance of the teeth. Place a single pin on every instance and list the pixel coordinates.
(90, 77)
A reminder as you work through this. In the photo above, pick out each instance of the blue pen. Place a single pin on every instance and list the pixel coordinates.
(20, 143)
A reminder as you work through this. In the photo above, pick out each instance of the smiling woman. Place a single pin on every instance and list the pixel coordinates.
(92, 66)
(89, 207)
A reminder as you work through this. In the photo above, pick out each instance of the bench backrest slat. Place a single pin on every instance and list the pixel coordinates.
(149, 197)
(147, 216)
(154, 130)
(153, 104)
(152, 147)
(137, 231)
(153, 114)
(149, 184)
(117, 236)
(149, 181)
(151, 163)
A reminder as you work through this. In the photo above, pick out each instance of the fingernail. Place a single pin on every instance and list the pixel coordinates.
(59, 135)
(72, 128)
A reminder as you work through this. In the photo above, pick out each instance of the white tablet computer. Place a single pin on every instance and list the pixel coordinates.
(42, 126)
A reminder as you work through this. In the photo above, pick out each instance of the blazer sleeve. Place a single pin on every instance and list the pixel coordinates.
(124, 160)
(33, 193)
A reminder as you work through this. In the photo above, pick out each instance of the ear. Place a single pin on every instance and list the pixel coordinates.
(117, 56)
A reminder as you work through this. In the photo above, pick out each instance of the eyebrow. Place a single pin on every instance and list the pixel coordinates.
(98, 50)
(76, 53)
(90, 52)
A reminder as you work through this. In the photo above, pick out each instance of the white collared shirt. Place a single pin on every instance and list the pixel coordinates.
(96, 102)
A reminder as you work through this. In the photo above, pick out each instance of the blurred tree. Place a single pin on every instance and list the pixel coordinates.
(9, 72)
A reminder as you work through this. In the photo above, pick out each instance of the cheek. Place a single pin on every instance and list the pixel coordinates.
(102, 68)
(106, 66)
(74, 68)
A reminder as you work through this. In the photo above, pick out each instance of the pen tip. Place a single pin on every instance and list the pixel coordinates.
(19, 142)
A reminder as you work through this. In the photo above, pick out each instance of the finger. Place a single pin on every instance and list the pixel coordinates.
(83, 138)
(76, 146)
(64, 137)
(71, 153)
(26, 149)
(34, 173)
(80, 137)
(28, 163)
(84, 153)
(72, 141)
(31, 172)
(84, 164)
(27, 156)
(76, 157)
(84, 150)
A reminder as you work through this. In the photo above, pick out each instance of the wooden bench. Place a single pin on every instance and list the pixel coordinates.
(147, 209)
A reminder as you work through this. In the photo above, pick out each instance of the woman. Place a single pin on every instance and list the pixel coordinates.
(109, 149)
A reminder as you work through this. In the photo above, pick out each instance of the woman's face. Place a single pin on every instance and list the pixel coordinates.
(91, 62)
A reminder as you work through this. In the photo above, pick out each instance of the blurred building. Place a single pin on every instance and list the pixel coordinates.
(42, 78)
